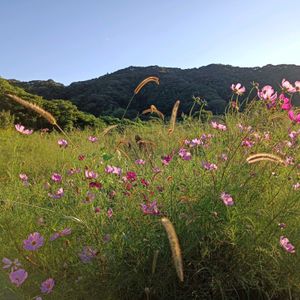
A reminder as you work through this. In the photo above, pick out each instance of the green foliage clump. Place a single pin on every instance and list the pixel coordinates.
(66, 113)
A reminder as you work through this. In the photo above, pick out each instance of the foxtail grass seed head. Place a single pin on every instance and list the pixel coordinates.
(175, 247)
(264, 157)
(154, 110)
(144, 82)
(174, 116)
(43, 113)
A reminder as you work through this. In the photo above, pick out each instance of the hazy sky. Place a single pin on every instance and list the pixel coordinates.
(71, 40)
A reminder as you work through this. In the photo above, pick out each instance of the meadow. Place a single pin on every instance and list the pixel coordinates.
(158, 210)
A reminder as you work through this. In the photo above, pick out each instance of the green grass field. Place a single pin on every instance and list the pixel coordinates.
(118, 247)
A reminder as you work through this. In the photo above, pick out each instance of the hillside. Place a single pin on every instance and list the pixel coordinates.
(109, 94)
(66, 113)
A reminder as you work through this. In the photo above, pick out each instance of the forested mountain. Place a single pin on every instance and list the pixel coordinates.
(109, 94)
(65, 112)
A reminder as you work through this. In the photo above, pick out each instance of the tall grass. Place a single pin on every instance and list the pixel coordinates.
(226, 252)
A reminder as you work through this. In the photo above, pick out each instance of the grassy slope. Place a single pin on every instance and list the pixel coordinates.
(226, 250)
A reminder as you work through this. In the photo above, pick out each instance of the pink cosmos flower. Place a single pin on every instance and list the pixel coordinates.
(195, 142)
(209, 166)
(47, 286)
(296, 186)
(113, 170)
(218, 126)
(166, 160)
(286, 245)
(224, 157)
(87, 254)
(64, 232)
(14, 265)
(156, 170)
(293, 117)
(140, 162)
(150, 208)
(23, 177)
(33, 242)
(286, 104)
(58, 194)
(97, 210)
(18, 277)
(90, 197)
(267, 93)
(297, 86)
(244, 128)
(227, 199)
(56, 177)
(90, 174)
(287, 86)
(184, 154)
(247, 143)
(238, 89)
(294, 134)
(62, 143)
(110, 212)
(20, 128)
(92, 139)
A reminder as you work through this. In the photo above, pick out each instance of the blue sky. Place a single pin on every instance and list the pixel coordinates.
(72, 40)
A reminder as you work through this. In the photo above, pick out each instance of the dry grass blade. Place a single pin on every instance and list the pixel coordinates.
(45, 114)
(175, 247)
(154, 110)
(108, 129)
(144, 82)
(264, 156)
(174, 116)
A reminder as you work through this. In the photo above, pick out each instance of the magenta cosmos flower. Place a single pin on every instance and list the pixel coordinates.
(166, 160)
(295, 118)
(286, 245)
(62, 143)
(286, 103)
(227, 199)
(92, 139)
(131, 176)
(20, 128)
(47, 286)
(33, 242)
(18, 277)
(56, 177)
(238, 89)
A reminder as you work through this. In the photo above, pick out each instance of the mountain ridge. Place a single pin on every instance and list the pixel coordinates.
(109, 94)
